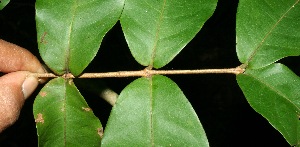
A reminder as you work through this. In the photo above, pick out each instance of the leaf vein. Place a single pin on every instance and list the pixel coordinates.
(272, 88)
(151, 111)
(270, 32)
(157, 33)
(67, 59)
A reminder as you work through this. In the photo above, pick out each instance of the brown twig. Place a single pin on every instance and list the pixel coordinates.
(145, 73)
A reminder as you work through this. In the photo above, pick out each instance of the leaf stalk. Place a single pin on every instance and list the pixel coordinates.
(144, 73)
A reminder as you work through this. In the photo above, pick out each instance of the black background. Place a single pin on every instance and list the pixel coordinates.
(223, 110)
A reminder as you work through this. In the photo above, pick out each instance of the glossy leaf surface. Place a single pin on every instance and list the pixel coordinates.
(63, 118)
(267, 30)
(70, 32)
(3, 3)
(156, 31)
(273, 92)
(153, 112)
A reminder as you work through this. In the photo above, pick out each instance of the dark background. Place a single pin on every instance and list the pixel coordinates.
(223, 110)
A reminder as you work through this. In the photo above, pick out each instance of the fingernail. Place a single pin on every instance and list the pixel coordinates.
(29, 85)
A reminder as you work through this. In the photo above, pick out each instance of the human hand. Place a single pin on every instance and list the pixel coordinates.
(17, 85)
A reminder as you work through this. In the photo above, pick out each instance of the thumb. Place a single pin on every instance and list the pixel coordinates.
(14, 89)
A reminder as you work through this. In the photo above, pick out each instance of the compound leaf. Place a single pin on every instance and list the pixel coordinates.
(70, 32)
(156, 31)
(273, 91)
(153, 112)
(267, 30)
(63, 118)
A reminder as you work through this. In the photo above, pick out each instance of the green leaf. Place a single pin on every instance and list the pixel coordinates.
(153, 112)
(3, 3)
(63, 118)
(267, 30)
(156, 31)
(70, 32)
(273, 91)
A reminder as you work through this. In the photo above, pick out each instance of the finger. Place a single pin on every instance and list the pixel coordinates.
(15, 58)
(15, 87)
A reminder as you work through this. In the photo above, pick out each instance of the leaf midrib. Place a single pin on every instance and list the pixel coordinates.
(67, 70)
(67, 59)
(269, 33)
(277, 92)
(151, 111)
(272, 88)
(157, 33)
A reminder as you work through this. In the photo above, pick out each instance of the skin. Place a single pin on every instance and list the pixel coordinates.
(17, 84)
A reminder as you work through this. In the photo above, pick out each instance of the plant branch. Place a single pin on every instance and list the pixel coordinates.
(145, 73)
